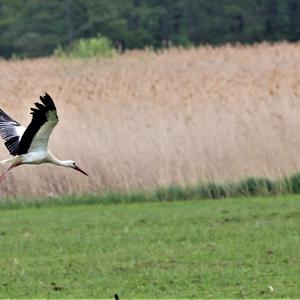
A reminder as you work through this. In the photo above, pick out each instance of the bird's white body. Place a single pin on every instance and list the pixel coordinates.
(40, 157)
(30, 146)
(37, 157)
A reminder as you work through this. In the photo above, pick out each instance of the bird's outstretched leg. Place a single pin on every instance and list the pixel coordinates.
(8, 170)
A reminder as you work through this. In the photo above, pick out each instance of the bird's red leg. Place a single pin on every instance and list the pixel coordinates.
(9, 169)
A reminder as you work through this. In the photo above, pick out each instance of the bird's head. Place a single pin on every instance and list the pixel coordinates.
(72, 164)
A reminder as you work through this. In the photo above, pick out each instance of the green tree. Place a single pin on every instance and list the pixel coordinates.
(30, 28)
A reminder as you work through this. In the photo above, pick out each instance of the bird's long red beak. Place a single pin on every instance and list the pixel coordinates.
(80, 170)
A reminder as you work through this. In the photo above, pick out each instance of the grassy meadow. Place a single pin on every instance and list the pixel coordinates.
(234, 248)
(144, 119)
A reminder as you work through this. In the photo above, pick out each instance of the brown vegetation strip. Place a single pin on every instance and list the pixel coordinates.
(145, 119)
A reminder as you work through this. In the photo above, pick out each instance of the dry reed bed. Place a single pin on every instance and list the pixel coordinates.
(144, 119)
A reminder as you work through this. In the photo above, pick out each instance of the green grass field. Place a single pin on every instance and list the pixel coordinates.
(211, 248)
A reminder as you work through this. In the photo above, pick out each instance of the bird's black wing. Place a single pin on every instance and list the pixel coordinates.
(11, 131)
(44, 119)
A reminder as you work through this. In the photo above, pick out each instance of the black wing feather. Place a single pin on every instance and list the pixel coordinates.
(12, 145)
(11, 131)
(39, 117)
(39, 105)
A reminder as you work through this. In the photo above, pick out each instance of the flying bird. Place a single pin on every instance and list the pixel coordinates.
(30, 145)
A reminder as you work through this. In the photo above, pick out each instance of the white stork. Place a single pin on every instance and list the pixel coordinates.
(30, 145)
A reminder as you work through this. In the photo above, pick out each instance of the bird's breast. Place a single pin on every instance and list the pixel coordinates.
(34, 157)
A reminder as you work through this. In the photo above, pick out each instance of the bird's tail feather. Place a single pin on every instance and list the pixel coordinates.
(2, 162)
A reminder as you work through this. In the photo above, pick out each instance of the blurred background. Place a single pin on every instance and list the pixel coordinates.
(154, 93)
(31, 28)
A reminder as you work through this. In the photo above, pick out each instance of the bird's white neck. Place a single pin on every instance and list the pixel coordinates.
(54, 160)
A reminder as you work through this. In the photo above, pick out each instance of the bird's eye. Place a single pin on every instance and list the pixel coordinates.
(74, 164)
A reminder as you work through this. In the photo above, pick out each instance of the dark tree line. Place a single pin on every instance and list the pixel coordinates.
(33, 28)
